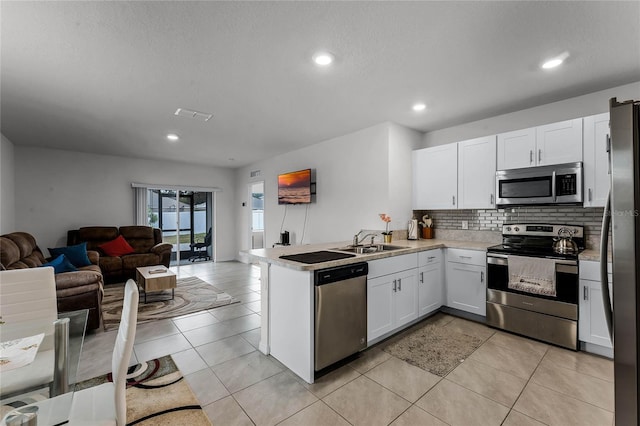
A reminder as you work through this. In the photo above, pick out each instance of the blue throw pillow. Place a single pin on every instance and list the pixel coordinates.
(77, 254)
(61, 264)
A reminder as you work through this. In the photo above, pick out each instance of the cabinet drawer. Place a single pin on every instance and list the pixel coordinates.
(391, 265)
(469, 257)
(429, 257)
(590, 270)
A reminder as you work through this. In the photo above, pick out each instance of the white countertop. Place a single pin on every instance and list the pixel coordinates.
(272, 255)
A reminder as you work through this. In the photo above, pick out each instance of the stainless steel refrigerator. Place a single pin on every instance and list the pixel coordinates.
(623, 210)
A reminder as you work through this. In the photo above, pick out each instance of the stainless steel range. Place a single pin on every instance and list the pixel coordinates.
(532, 282)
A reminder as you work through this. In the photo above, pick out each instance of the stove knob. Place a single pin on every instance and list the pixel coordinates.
(508, 228)
(516, 229)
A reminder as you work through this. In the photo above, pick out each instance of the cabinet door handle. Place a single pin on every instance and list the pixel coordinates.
(530, 156)
(585, 293)
(491, 199)
(421, 277)
(465, 257)
(454, 200)
(431, 257)
(608, 145)
(400, 284)
(394, 286)
(481, 276)
(589, 194)
(539, 156)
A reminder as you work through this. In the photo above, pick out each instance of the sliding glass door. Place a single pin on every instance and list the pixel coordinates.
(185, 218)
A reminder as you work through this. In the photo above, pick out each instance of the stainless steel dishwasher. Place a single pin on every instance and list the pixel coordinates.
(340, 313)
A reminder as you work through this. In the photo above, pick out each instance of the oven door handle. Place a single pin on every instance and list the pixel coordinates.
(502, 259)
(497, 260)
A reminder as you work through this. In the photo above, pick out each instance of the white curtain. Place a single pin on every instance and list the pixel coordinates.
(141, 214)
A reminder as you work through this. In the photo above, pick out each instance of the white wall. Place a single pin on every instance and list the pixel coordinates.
(7, 188)
(402, 141)
(580, 106)
(353, 187)
(59, 190)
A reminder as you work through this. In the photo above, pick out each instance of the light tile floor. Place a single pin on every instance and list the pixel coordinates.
(508, 380)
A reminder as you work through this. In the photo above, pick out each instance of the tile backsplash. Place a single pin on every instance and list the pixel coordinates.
(492, 220)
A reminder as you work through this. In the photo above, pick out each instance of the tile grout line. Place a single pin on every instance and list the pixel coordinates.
(527, 384)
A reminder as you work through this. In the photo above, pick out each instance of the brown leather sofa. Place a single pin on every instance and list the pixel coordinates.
(145, 240)
(76, 290)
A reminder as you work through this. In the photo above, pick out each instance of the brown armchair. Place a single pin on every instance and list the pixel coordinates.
(145, 240)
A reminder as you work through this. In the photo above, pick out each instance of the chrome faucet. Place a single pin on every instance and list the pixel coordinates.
(357, 240)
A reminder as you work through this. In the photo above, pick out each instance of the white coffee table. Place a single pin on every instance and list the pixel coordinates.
(155, 278)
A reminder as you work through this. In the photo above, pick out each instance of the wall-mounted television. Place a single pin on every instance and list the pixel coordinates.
(295, 187)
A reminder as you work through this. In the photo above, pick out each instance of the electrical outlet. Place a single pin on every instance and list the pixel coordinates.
(465, 224)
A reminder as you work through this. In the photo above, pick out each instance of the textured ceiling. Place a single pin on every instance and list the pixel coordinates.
(106, 77)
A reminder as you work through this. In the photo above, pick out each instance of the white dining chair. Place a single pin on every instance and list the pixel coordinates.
(106, 404)
(28, 307)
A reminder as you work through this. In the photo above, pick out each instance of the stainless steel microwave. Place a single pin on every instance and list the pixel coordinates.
(547, 185)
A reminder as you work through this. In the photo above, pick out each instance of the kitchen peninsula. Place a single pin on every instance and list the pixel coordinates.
(288, 295)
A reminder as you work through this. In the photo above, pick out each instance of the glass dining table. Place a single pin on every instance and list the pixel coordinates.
(45, 378)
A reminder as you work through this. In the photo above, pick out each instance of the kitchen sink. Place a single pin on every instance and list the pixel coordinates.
(375, 248)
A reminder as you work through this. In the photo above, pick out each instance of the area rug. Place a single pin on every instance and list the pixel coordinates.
(191, 295)
(433, 348)
(158, 396)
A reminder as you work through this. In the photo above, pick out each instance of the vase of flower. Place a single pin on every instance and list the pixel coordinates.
(387, 235)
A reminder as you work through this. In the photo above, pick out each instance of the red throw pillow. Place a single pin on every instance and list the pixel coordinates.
(117, 247)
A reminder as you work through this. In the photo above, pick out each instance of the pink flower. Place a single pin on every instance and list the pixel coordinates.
(385, 219)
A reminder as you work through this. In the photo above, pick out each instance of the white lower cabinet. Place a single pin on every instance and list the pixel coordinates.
(430, 282)
(380, 306)
(592, 324)
(392, 299)
(466, 281)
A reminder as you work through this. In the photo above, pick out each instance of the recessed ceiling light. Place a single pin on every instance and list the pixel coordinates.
(323, 59)
(173, 137)
(419, 107)
(554, 62)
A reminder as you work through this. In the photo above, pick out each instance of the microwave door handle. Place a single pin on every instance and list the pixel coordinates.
(553, 185)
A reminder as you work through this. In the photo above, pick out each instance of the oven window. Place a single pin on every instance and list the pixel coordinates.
(566, 284)
(526, 187)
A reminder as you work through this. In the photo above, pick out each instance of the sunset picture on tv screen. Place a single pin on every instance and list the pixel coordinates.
(294, 187)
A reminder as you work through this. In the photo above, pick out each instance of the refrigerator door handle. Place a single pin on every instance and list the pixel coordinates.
(604, 273)
(608, 145)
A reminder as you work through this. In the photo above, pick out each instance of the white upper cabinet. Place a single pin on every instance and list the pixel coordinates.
(559, 143)
(435, 177)
(516, 149)
(554, 143)
(596, 160)
(477, 173)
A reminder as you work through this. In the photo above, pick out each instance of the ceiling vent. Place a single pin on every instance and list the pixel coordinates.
(255, 173)
(201, 116)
